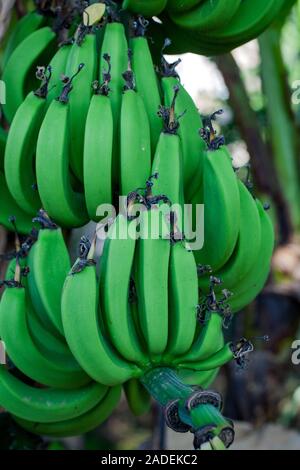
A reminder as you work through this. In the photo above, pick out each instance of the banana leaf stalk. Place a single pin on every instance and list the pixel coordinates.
(282, 131)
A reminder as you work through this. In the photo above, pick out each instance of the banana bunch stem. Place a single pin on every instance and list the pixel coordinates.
(190, 409)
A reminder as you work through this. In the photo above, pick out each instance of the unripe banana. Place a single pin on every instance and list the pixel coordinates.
(96, 356)
(190, 124)
(246, 249)
(209, 15)
(49, 264)
(83, 52)
(135, 144)
(24, 27)
(209, 340)
(79, 425)
(24, 353)
(249, 287)
(52, 165)
(151, 280)
(114, 291)
(115, 44)
(98, 148)
(20, 149)
(20, 65)
(183, 300)
(146, 79)
(58, 67)
(220, 195)
(46, 405)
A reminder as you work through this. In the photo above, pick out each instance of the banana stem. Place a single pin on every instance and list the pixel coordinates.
(188, 408)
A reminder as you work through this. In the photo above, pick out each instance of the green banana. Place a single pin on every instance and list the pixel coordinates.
(20, 65)
(221, 199)
(251, 19)
(46, 405)
(114, 291)
(135, 144)
(167, 163)
(246, 249)
(47, 343)
(145, 7)
(145, 78)
(49, 264)
(115, 44)
(52, 164)
(190, 124)
(83, 52)
(151, 280)
(98, 148)
(24, 353)
(250, 286)
(96, 356)
(138, 399)
(78, 425)
(210, 339)
(20, 149)
(24, 28)
(10, 209)
(209, 15)
(229, 352)
(183, 300)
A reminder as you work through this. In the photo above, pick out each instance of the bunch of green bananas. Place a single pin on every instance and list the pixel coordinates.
(80, 141)
(83, 148)
(209, 27)
(83, 337)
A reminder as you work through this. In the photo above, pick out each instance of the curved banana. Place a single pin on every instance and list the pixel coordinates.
(96, 356)
(190, 124)
(221, 199)
(246, 249)
(24, 353)
(251, 18)
(20, 149)
(20, 65)
(229, 352)
(78, 425)
(24, 28)
(46, 405)
(151, 274)
(135, 144)
(209, 340)
(209, 15)
(145, 7)
(9, 208)
(98, 149)
(167, 163)
(183, 300)
(49, 264)
(145, 78)
(250, 286)
(138, 399)
(114, 291)
(83, 52)
(52, 165)
(115, 44)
